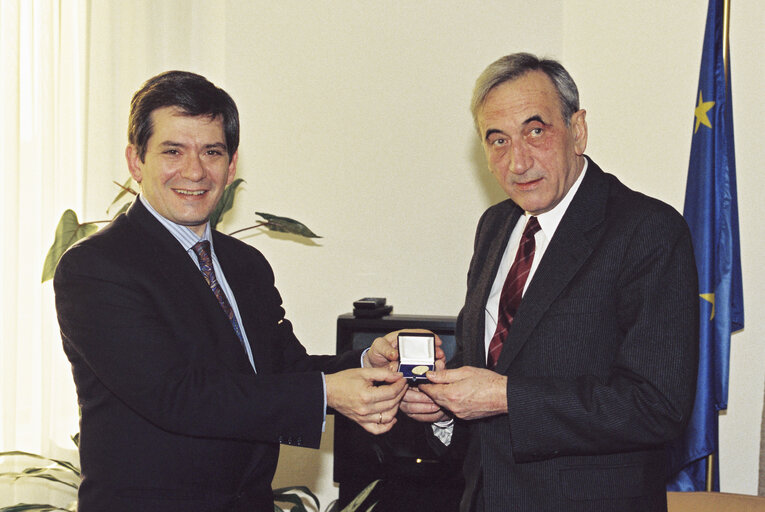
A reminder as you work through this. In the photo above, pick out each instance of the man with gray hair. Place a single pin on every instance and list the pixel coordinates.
(578, 337)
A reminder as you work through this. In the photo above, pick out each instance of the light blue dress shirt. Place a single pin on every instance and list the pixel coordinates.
(187, 239)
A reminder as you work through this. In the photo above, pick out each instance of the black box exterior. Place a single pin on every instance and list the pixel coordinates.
(413, 477)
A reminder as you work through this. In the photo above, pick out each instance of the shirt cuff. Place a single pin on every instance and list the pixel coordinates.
(443, 431)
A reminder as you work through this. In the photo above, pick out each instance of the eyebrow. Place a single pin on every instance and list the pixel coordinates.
(531, 119)
(173, 144)
(491, 132)
(536, 118)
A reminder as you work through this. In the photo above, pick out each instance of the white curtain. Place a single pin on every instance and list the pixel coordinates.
(43, 47)
(69, 69)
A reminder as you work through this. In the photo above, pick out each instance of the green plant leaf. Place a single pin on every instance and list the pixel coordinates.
(62, 463)
(300, 488)
(225, 204)
(21, 507)
(42, 474)
(286, 225)
(68, 231)
(286, 494)
(294, 499)
(125, 188)
(123, 209)
(360, 498)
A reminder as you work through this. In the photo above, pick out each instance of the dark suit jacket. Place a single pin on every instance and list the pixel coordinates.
(173, 416)
(601, 358)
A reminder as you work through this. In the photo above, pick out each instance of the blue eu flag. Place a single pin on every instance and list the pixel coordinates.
(711, 212)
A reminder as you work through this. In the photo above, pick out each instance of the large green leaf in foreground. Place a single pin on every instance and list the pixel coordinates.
(68, 231)
(225, 204)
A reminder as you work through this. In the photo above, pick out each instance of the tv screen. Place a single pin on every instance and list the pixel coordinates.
(412, 476)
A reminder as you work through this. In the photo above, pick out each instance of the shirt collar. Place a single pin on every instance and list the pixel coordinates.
(185, 236)
(549, 221)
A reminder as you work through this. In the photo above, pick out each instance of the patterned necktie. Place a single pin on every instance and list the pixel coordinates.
(202, 250)
(512, 290)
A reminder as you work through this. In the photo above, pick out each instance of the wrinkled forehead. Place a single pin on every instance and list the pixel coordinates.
(529, 95)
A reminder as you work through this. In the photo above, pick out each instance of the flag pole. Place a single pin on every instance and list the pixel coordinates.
(726, 32)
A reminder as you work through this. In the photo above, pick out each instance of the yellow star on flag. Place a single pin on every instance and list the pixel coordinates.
(701, 113)
(709, 297)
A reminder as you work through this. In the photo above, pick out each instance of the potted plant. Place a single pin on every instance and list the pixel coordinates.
(67, 474)
(292, 495)
(70, 229)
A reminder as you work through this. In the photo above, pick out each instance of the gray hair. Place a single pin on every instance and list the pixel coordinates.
(511, 67)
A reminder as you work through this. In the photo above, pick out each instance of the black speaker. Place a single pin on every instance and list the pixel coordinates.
(413, 477)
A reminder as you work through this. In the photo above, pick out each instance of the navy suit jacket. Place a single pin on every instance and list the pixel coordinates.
(601, 358)
(173, 416)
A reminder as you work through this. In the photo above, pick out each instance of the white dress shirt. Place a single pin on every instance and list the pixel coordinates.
(548, 222)
(187, 238)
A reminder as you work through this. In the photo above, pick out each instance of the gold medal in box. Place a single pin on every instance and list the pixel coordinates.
(417, 355)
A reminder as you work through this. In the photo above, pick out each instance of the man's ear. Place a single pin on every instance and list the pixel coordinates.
(579, 129)
(232, 168)
(134, 162)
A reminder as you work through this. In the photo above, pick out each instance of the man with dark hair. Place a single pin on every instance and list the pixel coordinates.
(578, 337)
(189, 92)
(188, 374)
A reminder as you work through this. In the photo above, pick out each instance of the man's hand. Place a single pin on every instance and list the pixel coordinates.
(384, 351)
(469, 393)
(353, 393)
(420, 407)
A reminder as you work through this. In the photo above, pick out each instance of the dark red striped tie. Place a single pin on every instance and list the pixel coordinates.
(512, 290)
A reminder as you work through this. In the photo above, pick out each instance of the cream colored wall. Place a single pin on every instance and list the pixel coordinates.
(355, 121)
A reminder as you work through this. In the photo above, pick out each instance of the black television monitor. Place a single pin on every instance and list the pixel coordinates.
(412, 476)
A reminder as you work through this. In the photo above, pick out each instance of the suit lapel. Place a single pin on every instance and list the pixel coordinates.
(574, 240)
(183, 285)
(239, 280)
(489, 253)
(169, 262)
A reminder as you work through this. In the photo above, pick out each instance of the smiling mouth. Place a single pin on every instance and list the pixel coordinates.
(189, 192)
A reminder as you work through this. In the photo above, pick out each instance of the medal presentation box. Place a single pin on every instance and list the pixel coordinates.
(417, 355)
(412, 477)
